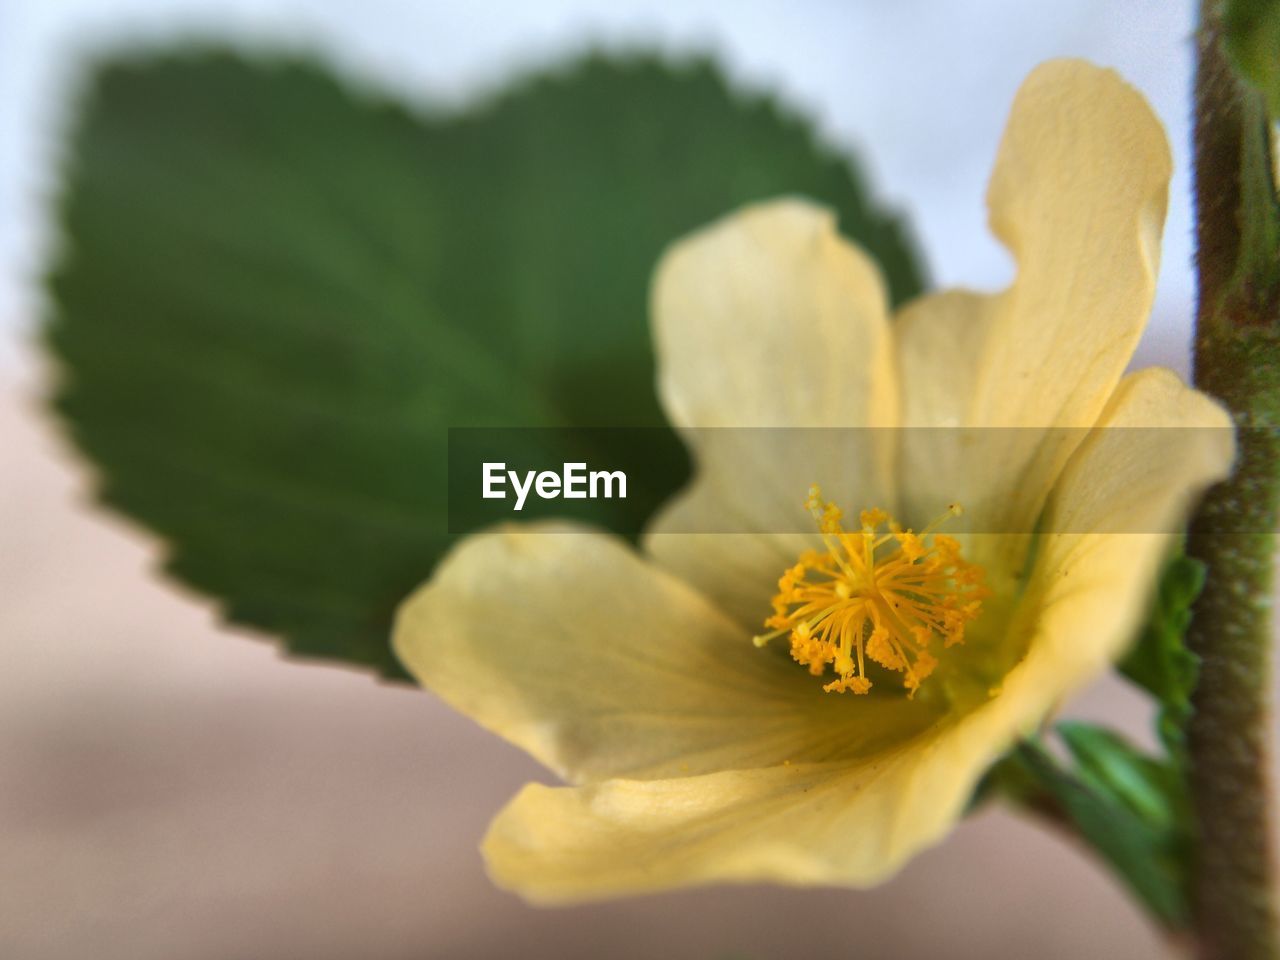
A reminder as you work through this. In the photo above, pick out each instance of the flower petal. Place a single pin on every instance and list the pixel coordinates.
(944, 458)
(1155, 449)
(1118, 510)
(569, 644)
(768, 319)
(845, 824)
(941, 340)
(758, 316)
(1078, 196)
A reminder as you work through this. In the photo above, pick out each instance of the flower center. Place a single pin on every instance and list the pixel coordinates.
(884, 596)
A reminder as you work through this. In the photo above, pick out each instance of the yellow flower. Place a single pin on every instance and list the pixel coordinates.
(695, 756)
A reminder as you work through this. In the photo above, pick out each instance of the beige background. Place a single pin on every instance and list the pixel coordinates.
(170, 788)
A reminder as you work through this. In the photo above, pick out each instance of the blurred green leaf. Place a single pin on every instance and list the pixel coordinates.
(1160, 662)
(274, 296)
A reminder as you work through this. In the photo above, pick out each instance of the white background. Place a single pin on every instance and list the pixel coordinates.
(919, 87)
(172, 789)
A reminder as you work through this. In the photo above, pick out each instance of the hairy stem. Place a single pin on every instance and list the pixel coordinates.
(1237, 359)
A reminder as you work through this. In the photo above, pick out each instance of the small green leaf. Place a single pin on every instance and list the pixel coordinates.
(1152, 788)
(1160, 662)
(273, 298)
(1148, 858)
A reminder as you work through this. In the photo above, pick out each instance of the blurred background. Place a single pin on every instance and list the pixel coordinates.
(172, 788)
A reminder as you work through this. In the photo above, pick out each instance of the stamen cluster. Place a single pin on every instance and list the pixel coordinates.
(886, 596)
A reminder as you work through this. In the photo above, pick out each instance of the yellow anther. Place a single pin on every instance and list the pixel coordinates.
(878, 596)
(873, 518)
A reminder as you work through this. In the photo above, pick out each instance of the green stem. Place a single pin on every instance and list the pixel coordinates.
(1237, 359)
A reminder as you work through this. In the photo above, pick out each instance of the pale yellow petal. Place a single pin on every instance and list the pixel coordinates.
(941, 340)
(845, 824)
(1155, 448)
(1118, 510)
(943, 457)
(1078, 196)
(768, 319)
(758, 317)
(599, 663)
(737, 571)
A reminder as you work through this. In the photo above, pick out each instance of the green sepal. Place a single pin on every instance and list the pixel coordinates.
(1160, 662)
(1151, 787)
